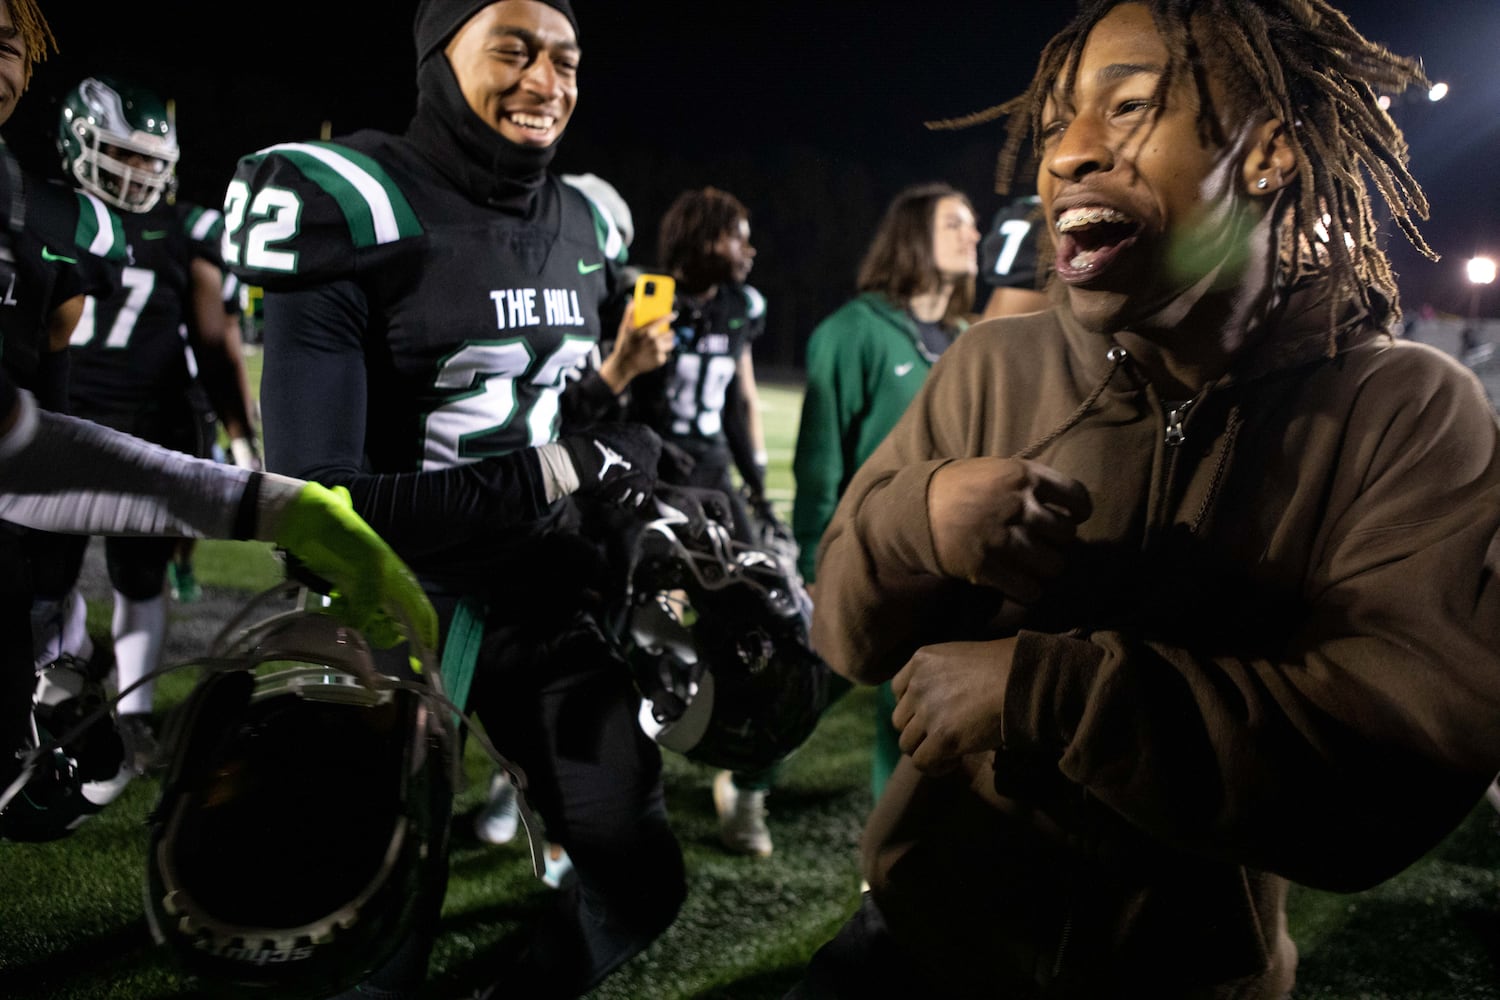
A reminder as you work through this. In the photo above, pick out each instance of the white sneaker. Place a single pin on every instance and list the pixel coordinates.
(556, 865)
(497, 821)
(742, 817)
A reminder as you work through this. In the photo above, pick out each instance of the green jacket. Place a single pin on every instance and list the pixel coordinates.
(864, 364)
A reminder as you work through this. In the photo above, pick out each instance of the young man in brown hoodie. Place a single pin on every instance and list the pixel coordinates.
(1181, 582)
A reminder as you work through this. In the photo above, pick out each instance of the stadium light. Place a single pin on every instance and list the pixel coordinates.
(1481, 272)
(1435, 93)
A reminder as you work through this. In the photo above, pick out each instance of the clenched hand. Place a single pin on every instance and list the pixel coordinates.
(949, 699)
(1004, 522)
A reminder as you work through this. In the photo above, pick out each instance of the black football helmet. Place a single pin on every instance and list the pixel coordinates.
(716, 634)
(75, 763)
(303, 819)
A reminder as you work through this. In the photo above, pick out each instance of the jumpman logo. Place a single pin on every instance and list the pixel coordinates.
(611, 457)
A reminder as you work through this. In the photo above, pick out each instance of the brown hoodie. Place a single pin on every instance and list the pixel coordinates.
(1274, 653)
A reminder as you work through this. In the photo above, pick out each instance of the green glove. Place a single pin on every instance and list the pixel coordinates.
(373, 589)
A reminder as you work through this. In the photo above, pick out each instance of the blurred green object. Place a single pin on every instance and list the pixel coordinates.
(184, 585)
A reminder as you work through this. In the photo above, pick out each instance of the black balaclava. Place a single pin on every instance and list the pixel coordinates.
(490, 169)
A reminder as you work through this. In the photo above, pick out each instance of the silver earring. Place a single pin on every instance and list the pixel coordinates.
(1262, 184)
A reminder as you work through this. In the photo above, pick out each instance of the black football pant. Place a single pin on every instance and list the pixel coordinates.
(562, 705)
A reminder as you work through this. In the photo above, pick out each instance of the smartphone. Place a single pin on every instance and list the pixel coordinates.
(653, 297)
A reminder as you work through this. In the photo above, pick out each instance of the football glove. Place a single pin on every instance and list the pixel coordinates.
(373, 589)
(615, 462)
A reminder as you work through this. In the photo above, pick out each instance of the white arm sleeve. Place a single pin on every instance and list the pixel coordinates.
(60, 473)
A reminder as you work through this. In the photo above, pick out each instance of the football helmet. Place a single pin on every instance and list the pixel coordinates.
(76, 765)
(119, 142)
(303, 820)
(716, 635)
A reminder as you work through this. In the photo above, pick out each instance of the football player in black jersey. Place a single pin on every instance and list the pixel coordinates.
(704, 399)
(431, 319)
(128, 368)
(49, 229)
(704, 402)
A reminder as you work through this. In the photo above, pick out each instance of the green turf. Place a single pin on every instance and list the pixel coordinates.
(71, 924)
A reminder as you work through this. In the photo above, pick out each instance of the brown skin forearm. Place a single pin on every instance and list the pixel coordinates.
(216, 344)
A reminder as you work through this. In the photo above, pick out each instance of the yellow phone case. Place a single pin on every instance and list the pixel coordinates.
(653, 297)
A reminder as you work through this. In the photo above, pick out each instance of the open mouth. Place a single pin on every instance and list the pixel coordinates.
(1089, 239)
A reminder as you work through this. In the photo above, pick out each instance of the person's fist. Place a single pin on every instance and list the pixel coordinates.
(616, 462)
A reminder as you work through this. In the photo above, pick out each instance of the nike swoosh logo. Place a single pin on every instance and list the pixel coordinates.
(905, 369)
(154, 234)
(49, 255)
(588, 268)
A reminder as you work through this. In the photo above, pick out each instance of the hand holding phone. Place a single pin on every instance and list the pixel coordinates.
(654, 295)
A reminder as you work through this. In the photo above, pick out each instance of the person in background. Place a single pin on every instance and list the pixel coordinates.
(442, 364)
(704, 402)
(1008, 259)
(128, 367)
(1183, 581)
(867, 359)
(48, 228)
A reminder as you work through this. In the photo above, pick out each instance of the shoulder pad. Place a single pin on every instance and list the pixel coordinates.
(607, 229)
(301, 213)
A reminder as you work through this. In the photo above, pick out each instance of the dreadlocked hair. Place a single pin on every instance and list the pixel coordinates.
(1302, 62)
(34, 33)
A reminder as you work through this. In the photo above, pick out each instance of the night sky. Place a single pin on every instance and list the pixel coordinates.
(811, 112)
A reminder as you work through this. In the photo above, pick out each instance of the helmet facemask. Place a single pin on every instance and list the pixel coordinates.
(119, 143)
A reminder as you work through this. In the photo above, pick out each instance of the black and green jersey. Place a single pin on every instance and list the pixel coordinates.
(61, 229)
(410, 332)
(685, 399)
(1008, 252)
(127, 350)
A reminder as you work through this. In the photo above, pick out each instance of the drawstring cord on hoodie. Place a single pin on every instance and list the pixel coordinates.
(1116, 356)
(1232, 425)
